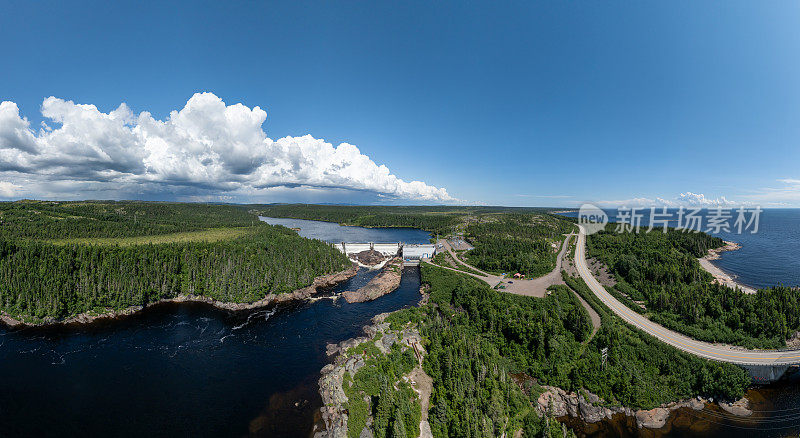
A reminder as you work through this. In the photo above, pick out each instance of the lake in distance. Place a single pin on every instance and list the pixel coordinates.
(192, 370)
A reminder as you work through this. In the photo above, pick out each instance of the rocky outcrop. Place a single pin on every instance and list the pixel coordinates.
(740, 408)
(369, 257)
(331, 389)
(425, 296)
(299, 294)
(657, 418)
(83, 318)
(320, 282)
(559, 403)
(333, 412)
(589, 408)
(714, 253)
(9, 321)
(385, 282)
(793, 343)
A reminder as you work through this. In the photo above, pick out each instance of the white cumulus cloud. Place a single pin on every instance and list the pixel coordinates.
(8, 190)
(206, 147)
(699, 199)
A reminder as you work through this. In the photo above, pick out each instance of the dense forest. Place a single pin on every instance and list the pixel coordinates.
(478, 338)
(40, 279)
(62, 220)
(516, 243)
(642, 371)
(661, 270)
(378, 387)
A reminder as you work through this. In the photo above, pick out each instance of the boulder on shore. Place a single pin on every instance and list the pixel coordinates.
(740, 408)
(591, 409)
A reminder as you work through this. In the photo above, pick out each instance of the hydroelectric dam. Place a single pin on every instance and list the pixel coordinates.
(412, 254)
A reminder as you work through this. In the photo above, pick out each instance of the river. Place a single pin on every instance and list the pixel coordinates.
(192, 370)
(189, 369)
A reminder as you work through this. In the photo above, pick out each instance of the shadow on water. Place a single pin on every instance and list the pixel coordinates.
(776, 413)
(189, 369)
(193, 370)
(182, 369)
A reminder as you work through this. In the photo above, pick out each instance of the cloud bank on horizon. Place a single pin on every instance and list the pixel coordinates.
(206, 151)
(687, 199)
(768, 197)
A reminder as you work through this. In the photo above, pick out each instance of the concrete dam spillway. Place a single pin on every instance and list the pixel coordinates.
(412, 254)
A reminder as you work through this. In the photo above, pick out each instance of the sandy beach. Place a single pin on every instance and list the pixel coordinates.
(720, 276)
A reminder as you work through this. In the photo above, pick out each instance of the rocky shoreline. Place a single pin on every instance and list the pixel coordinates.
(334, 414)
(385, 282)
(714, 253)
(589, 408)
(270, 299)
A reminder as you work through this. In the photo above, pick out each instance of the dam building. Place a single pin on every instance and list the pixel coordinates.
(411, 253)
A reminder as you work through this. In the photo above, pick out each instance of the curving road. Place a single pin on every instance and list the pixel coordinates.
(718, 352)
(534, 287)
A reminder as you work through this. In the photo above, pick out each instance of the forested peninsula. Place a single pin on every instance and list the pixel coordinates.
(658, 274)
(492, 357)
(497, 361)
(63, 259)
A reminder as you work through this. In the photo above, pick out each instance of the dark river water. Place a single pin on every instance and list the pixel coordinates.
(189, 369)
(192, 370)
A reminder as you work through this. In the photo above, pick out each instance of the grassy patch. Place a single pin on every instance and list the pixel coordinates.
(210, 235)
(368, 348)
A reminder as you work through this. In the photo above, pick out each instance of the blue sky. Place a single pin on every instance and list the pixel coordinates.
(512, 103)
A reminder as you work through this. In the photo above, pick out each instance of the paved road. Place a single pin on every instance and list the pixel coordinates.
(535, 287)
(554, 276)
(453, 254)
(719, 352)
